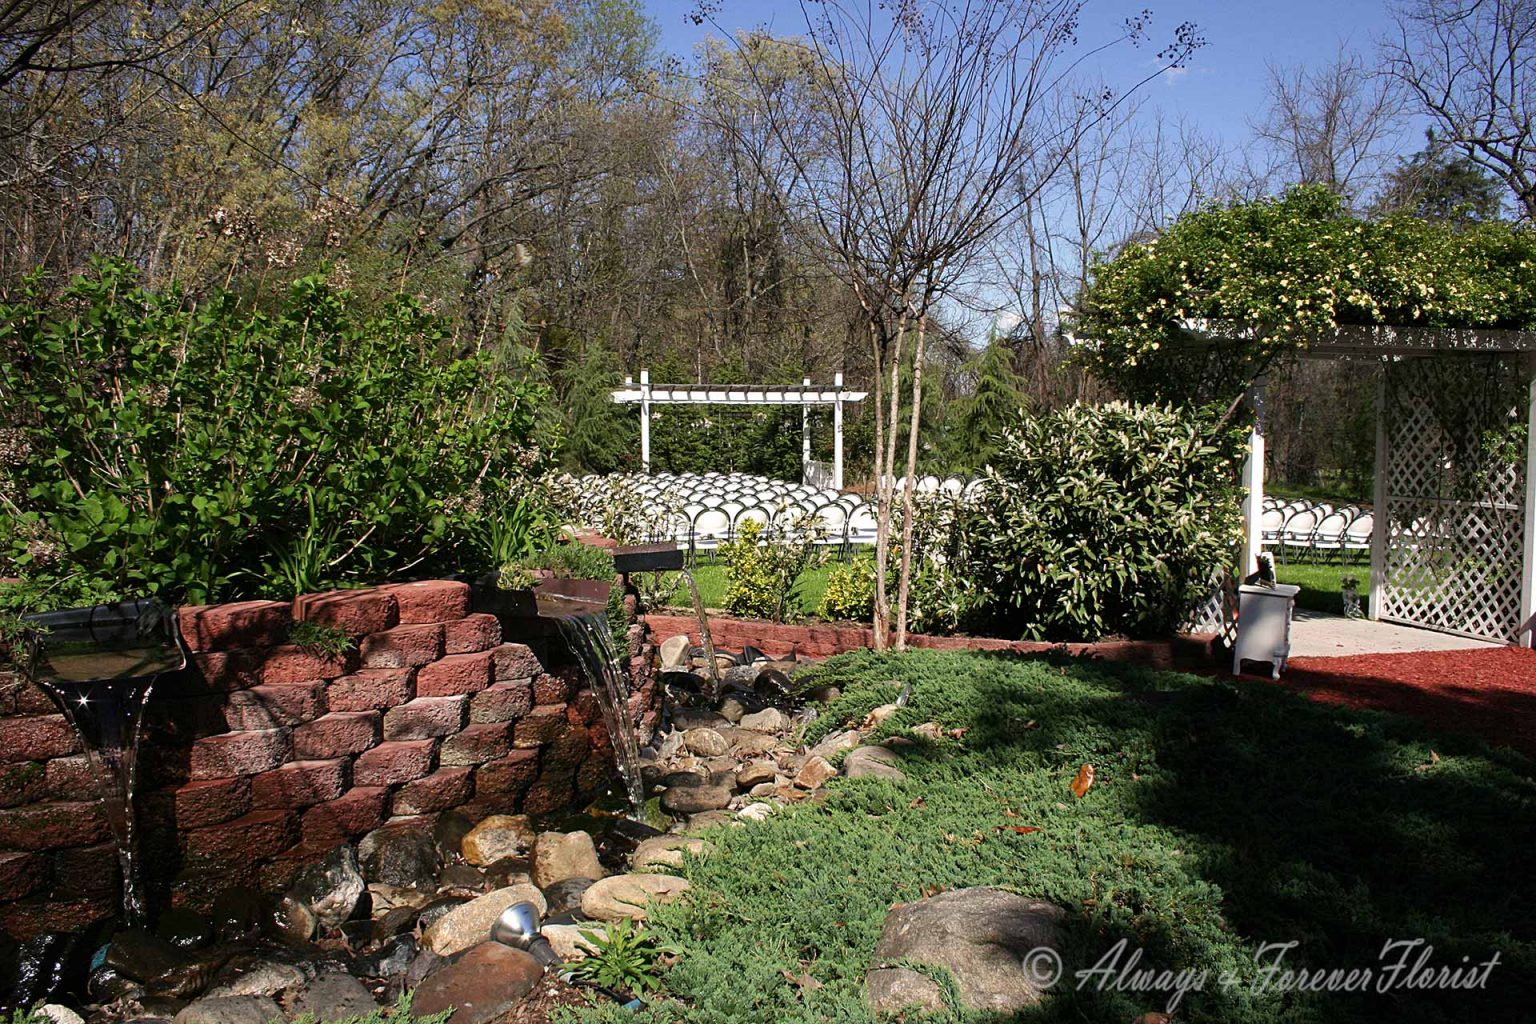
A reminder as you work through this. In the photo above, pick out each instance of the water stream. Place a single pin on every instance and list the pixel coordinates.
(591, 640)
(99, 665)
(704, 637)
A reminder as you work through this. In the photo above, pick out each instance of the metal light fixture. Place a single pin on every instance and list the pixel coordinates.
(518, 927)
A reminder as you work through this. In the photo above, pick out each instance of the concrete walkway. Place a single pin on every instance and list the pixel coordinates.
(1319, 635)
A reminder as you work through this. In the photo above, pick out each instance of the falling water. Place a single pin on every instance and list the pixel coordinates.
(592, 641)
(99, 665)
(709, 642)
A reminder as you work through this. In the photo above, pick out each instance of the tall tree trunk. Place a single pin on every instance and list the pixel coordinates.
(904, 581)
(885, 484)
(882, 602)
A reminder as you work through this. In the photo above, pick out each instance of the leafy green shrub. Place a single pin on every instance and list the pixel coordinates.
(623, 957)
(207, 449)
(1097, 520)
(765, 569)
(850, 593)
(320, 638)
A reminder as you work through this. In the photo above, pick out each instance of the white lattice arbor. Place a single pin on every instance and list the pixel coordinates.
(1454, 548)
(805, 395)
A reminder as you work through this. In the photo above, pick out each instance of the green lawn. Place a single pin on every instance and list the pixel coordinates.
(1224, 815)
(1319, 582)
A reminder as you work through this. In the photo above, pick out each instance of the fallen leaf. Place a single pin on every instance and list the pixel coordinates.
(1434, 758)
(1031, 724)
(1024, 830)
(802, 980)
(1153, 1018)
(1009, 812)
(949, 837)
(1083, 781)
(918, 802)
(955, 734)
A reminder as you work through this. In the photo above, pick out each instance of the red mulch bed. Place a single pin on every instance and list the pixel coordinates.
(1488, 692)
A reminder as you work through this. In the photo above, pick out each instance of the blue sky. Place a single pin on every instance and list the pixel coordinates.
(1222, 91)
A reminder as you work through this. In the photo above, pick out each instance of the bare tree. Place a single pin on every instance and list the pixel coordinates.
(929, 126)
(1471, 64)
(1331, 126)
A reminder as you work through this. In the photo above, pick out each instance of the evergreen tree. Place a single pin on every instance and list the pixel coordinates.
(974, 427)
(1438, 185)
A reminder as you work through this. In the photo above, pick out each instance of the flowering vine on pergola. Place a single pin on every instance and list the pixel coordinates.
(1197, 315)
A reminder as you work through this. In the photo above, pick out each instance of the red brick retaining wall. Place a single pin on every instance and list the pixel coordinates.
(262, 756)
(820, 640)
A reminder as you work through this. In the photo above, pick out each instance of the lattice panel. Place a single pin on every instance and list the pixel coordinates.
(1455, 502)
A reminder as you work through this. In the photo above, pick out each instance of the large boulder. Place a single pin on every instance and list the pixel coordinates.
(498, 837)
(230, 1010)
(980, 935)
(558, 856)
(483, 984)
(629, 895)
(469, 924)
(666, 851)
(691, 799)
(674, 654)
(334, 995)
(705, 742)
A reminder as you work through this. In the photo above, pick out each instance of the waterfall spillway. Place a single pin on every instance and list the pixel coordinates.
(99, 665)
(592, 642)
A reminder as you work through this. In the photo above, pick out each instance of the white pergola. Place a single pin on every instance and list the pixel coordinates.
(805, 396)
(1449, 562)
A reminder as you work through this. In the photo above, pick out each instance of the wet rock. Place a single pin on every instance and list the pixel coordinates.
(464, 926)
(674, 654)
(331, 887)
(558, 856)
(394, 922)
(751, 655)
(252, 977)
(334, 995)
(230, 1010)
(463, 876)
(695, 798)
(142, 955)
(628, 896)
(766, 720)
(108, 984)
(498, 837)
(814, 773)
(184, 928)
(236, 913)
(566, 895)
(980, 935)
(483, 984)
(400, 855)
(189, 979)
(449, 831)
(754, 772)
(772, 685)
(666, 852)
(873, 762)
(705, 742)
(389, 960)
(755, 812)
(33, 970)
(835, 744)
(292, 920)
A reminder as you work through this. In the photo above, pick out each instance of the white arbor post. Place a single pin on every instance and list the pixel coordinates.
(1528, 554)
(1380, 524)
(837, 433)
(645, 421)
(805, 438)
(1253, 483)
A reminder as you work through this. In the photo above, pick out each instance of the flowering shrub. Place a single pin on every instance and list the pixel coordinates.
(203, 450)
(765, 568)
(1094, 521)
(1273, 274)
(850, 593)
